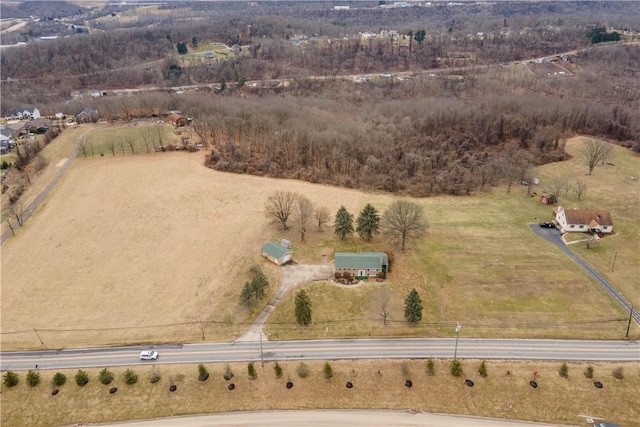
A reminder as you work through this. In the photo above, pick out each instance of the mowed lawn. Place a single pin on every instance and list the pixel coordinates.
(155, 248)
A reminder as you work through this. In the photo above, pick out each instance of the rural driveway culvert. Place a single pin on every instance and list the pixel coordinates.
(289, 384)
(533, 384)
(349, 384)
(231, 387)
(598, 384)
(113, 390)
(54, 392)
(469, 383)
(173, 388)
(408, 383)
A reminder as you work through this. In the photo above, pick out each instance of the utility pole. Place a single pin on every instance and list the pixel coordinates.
(42, 342)
(629, 322)
(455, 352)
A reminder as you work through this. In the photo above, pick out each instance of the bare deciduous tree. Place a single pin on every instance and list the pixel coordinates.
(130, 142)
(145, 138)
(594, 152)
(403, 221)
(111, 144)
(121, 143)
(381, 304)
(580, 189)
(280, 206)
(555, 186)
(321, 214)
(303, 211)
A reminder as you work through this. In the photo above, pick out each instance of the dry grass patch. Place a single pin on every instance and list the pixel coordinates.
(505, 393)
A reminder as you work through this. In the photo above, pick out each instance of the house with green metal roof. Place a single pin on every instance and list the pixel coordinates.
(361, 265)
(276, 253)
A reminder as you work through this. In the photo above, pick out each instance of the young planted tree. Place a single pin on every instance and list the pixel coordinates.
(382, 304)
(564, 370)
(280, 205)
(303, 308)
(302, 370)
(403, 221)
(251, 371)
(321, 215)
(203, 374)
(456, 368)
(303, 211)
(33, 378)
(105, 376)
(277, 370)
(343, 223)
(482, 370)
(413, 307)
(368, 222)
(59, 379)
(431, 369)
(130, 377)
(10, 379)
(327, 370)
(82, 378)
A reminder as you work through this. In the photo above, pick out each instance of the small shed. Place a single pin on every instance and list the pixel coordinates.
(548, 199)
(276, 253)
(361, 265)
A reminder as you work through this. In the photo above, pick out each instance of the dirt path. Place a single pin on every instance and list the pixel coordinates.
(291, 276)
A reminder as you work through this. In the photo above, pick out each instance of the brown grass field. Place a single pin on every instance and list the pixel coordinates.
(156, 247)
(504, 393)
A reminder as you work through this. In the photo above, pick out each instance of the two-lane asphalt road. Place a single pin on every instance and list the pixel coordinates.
(329, 350)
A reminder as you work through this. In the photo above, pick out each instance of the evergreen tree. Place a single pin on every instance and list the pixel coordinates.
(327, 370)
(343, 224)
(368, 222)
(182, 48)
(303, 308)
(413, 307)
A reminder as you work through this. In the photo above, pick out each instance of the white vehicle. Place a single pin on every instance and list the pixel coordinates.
(148, 355)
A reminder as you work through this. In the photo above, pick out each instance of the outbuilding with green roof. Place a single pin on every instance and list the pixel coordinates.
(276, 253)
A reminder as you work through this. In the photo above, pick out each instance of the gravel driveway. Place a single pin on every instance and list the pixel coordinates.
(292, 275)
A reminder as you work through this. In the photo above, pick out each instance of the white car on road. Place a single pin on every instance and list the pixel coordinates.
(148, 355)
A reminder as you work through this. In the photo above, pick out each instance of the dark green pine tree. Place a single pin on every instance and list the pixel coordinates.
(368, 222)
(343, 224)
(303, 308)
(413, 307)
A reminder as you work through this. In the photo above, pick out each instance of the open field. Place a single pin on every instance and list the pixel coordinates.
(115, 140)
(504, 393)
(156, 248)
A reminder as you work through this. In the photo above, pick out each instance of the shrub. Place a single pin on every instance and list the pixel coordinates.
(618, 373)
(302, 370)
(430, 367)
(59, 379)
(588, 372)
(482, 370)
(33, 378)
(277, 370)
(227, 373)
(130, 377)
(11, 379)
(564, 370)
(456, 368)
(105, 376)
(154, 376)
(203, 374)
(327, 370)
(82, 378)
(251, 371)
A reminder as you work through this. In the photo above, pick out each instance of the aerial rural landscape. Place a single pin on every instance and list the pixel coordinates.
(212, 207)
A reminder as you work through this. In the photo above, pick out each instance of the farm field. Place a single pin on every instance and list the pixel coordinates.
(155, 248)
(504, 393)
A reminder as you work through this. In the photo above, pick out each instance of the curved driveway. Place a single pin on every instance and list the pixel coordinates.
(554, 236)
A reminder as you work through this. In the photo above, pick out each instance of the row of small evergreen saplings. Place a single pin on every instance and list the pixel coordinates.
(105, 376)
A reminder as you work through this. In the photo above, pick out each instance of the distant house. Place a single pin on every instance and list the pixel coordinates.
(176, 119)
(276, 253)
(30, 113)
(39, 125)
(361, 265)
(583, 221)
(88, 115)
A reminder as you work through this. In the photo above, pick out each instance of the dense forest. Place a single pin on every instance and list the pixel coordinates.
(465, 117)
